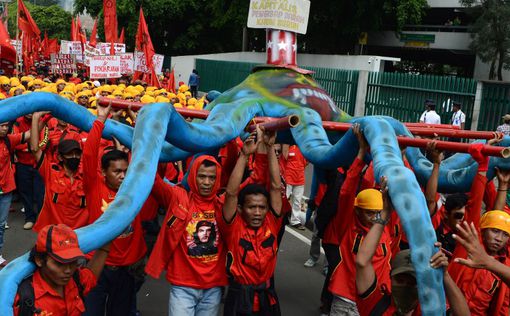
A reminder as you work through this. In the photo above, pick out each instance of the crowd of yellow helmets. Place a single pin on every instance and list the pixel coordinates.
(89, 91)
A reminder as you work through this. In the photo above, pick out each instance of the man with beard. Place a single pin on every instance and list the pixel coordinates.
(64, 198)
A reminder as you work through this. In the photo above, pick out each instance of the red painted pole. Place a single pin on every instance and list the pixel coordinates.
(276, 124)
(445, 126)
(344, 127)
(454, 147)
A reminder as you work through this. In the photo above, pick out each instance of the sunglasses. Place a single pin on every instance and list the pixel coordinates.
(458, 215)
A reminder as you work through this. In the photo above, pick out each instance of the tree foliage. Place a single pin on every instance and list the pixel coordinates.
(201, 26)
(52, 19)
(491, 33)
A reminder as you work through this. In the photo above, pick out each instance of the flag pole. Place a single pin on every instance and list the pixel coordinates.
(17, 38)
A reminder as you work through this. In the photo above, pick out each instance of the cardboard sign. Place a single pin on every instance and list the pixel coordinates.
(70, 47)
(105, 67)
(287, 15)
(104, 48)
(63, 63)
(141, 65)
(127, 63)
(88, 53)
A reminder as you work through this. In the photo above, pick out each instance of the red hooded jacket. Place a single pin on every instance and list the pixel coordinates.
(189, 245)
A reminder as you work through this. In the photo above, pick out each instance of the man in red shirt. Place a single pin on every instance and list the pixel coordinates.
(250, 226)
(28, 180)
(115, 293)
(64, 198)
(348, 228)
(7, 184)
(195, 267)
(402, 299)
(58, 284)
(294, 175)
(484, 291)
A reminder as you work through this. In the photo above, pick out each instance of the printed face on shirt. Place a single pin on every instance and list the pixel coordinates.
(206, 177)
(494, 240)
(115, 173)
(202, 236)
(254, 210)
(204, 233)
(4, 129)
(56, 274)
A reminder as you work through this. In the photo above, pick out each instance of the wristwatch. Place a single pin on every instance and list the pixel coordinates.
(379, 220)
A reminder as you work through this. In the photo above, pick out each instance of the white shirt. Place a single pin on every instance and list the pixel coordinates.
(458, 118)
(430, 117)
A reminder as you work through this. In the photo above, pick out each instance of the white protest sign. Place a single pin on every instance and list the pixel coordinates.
(104, 48)
(70, 47)
(88, 53)
(127, 65)
(287, 15)
(105, 67)
(18, 46)
(141, 65)
(63, 63)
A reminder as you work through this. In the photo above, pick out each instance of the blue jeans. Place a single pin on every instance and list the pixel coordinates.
(187, 301)
(31, 190)
(5, 204)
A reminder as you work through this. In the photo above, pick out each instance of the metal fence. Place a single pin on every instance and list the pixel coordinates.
(495, 103)
(402, 96)
(223, 75)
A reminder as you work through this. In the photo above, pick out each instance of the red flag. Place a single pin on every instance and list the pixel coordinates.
(25, 22)
(121, 37)
(171, 82)
(73, 30)
(144, 44)
(93, 35)
(5, 40)
(81, 35)
(31, 35)
(53, 47)
(110, 22)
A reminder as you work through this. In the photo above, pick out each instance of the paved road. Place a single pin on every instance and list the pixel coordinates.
(298, 287)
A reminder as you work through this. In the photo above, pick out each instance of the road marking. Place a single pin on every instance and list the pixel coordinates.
(300, 237)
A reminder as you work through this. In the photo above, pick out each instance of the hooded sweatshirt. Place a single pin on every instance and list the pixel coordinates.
(189, 245)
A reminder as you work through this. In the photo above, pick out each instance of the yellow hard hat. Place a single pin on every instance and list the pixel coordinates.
(496, 219)
(369, 199)
(147, 99)
(183, 88)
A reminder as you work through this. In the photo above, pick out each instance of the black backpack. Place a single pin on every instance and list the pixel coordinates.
(27, 297)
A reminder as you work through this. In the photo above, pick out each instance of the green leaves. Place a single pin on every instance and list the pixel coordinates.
(52, 19)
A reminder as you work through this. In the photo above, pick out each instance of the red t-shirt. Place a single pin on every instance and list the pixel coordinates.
(333, 231)
(484, 291)
(252, 253)
(7, 169)
(351, 234)
(64, 202)
(129, 247)
(51, 303)
(189, 245)
(253, 263)
(22, 154)
(295, 167)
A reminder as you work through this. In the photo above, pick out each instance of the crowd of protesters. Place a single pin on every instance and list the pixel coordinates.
(223, 230)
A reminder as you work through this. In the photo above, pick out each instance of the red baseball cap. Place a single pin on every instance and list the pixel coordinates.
(59, 242)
